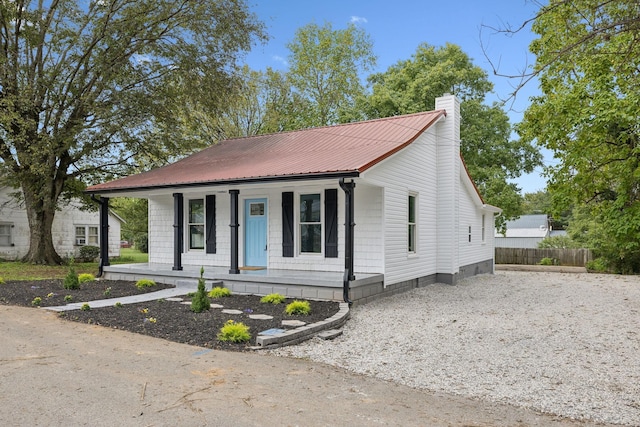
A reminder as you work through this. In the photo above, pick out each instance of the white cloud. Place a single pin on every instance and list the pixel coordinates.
(358, 20)
(280, 59)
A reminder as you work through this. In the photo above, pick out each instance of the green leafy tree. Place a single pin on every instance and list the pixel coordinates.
(492, 157)
(324, 69)
(88, 90)
(135, 213)
(587, 61)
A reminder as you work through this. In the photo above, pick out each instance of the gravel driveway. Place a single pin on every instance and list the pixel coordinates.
(561, 343)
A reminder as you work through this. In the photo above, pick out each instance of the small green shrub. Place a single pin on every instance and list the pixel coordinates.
(598, 265)
(219, 292)
(200, 301)
(107, 292)
(86, 277)
(141, 242)
(546, 261)
(36, 301)
(1, 281)
(234, 332)
(89, 253)
(118, 304)
(71, 279)
(68, 298)
(145, 283)
(273, 299)
(298, 307)
(85, 307)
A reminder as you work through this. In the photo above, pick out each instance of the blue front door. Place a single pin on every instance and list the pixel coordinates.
(255, 232)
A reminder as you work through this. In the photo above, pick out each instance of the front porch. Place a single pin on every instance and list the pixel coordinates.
(320, 285)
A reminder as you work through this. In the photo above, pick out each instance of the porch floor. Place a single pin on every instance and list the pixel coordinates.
(323, 285)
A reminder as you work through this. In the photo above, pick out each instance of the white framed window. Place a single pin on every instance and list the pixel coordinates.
(87, 235)
(6, 237)
(412, 223)
(469, 234)
(196, 224)
(483, 228)
(310, 223)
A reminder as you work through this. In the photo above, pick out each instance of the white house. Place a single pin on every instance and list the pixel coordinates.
(376, 206)
(526, 232)
(72, 228)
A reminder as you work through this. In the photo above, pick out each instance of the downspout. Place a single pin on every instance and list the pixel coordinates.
(104, 233)
(349, 224)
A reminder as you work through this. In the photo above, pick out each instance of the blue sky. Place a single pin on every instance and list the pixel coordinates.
(398, 27)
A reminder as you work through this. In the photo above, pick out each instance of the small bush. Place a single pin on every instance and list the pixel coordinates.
(145, 283)
(86, 277)
(89, 253)
(219, 292)
(1, 281)
(234, 332)
(298, 307)
(141, 242)
(272, 299)
(68, 298)
(547, 261)
(118, 304)
(85, 307)
(107, 292)
(200, 301)
(36, 301)
(71, 280)
(598, 265)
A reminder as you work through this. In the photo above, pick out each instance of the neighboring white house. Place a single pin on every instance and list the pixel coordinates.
(283, 202)
(71, 229)
(526, 232)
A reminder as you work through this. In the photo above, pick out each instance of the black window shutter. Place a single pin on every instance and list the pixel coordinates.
(331, 221)
(287, 224)
(210, 209)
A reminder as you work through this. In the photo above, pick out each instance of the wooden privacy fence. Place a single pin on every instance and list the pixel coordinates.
(532, 256)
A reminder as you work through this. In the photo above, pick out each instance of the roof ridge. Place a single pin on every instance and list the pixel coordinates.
(379, 119)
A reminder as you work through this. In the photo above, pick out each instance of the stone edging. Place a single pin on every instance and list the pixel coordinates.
(303, 333)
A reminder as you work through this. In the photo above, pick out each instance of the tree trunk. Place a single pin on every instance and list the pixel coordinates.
(40, 213)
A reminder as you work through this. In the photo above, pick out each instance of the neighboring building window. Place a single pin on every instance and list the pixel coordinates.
(483, 228)
(310, 223)
(87, 235)
(411, 245)
(5, 234)
(196, 224)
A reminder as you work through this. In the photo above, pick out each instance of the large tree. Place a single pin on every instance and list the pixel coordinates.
(588, 62)
(325, 67)
(83, 86)
(492, 157)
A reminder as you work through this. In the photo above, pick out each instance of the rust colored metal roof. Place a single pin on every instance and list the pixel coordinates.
(341, 150)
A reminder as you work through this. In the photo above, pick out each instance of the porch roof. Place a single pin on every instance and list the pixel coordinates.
(340, 150)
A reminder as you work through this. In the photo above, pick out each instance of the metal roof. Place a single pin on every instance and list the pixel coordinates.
(340, 150)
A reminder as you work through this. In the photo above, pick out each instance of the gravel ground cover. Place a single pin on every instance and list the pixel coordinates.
(560, 343)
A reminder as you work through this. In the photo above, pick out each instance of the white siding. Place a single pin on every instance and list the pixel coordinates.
(63, 228)
(471, 216)
(412, 170)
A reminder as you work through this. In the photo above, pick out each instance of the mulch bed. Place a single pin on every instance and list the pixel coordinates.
(170, 320)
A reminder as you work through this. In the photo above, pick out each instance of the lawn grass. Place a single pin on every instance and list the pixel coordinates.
(130, 255)
(15, 270)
